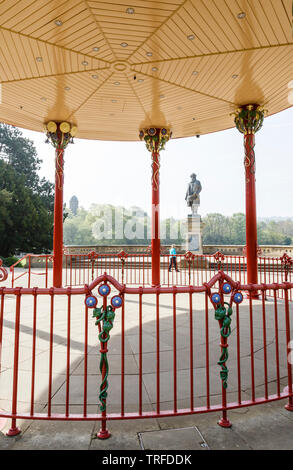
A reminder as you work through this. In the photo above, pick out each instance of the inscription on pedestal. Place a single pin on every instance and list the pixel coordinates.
(193, 236)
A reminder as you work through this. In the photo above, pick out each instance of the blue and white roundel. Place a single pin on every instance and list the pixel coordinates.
(227, 288)
(238, 298)
(104, 289)
(116, 301)
(91, 301)
(216, 298)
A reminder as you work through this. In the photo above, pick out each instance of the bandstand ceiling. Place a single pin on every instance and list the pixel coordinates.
(113, 66)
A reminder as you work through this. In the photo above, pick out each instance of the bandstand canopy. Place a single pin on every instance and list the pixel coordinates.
(111, 67)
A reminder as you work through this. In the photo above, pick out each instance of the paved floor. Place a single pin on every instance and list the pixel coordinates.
(267, 426)
(263, 426)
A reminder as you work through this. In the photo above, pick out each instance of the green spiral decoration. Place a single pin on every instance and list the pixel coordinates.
(223, 315)
(106, 317)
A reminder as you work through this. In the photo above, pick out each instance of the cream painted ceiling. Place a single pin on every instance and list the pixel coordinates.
(112, 67)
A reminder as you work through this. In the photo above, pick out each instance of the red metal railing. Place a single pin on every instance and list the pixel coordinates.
(163, 359)
(135, 269)
(28, 271)
(274, 270)
(132, 269)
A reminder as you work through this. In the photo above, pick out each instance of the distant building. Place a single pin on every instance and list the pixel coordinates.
(73, 204)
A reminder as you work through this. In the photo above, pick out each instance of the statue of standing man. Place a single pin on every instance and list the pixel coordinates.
(192, 194)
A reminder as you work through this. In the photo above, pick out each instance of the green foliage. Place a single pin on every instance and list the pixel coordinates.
(26, 201)
(222, 230)
(12, 260)
(109, 225)
(98, 226)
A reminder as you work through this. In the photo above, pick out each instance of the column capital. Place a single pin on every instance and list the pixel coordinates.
(155, 138)
(59, 134)
(249, 118)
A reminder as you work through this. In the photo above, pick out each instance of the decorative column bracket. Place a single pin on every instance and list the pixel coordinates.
(59, 135)
(249, 120)
(155, 140)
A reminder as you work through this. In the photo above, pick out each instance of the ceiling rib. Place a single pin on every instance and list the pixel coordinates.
(89, 97)
(211, 54)
(158, 28)
(188, 89)
(95, 69)
(58, 46)
(99, 27)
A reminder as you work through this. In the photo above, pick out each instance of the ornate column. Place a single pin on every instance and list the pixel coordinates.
(59, 135)
(155, 139)
(249, 119)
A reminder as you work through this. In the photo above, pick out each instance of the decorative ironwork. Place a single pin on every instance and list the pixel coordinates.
(155, 170)
(92, 255)
(287, 264)
(249, 119)
(223, 313)
(59, 135)
(122, 255)
(91, 301)
(106, 317)
(155, 138)
(249, 154)
(219, 257)
(189, 256)
(3, 272)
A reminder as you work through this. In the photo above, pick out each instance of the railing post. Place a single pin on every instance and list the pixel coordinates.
(223, 313)
(104, 433)
(46, 275)
(289, 405)
(104, 320)
(29, 270)
(14, 430)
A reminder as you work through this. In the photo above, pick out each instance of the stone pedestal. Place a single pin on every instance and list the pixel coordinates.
(193, 235)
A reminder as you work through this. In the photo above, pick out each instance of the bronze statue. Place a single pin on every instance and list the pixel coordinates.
(192, 194)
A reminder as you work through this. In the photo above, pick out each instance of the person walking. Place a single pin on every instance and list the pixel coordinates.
(173, 260)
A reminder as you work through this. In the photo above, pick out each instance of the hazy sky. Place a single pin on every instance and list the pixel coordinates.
(119, 173)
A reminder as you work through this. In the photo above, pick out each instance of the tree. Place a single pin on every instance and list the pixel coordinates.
(20, 154)
(237, 229)
(105, 224)
(216, 230)
(26, 201)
